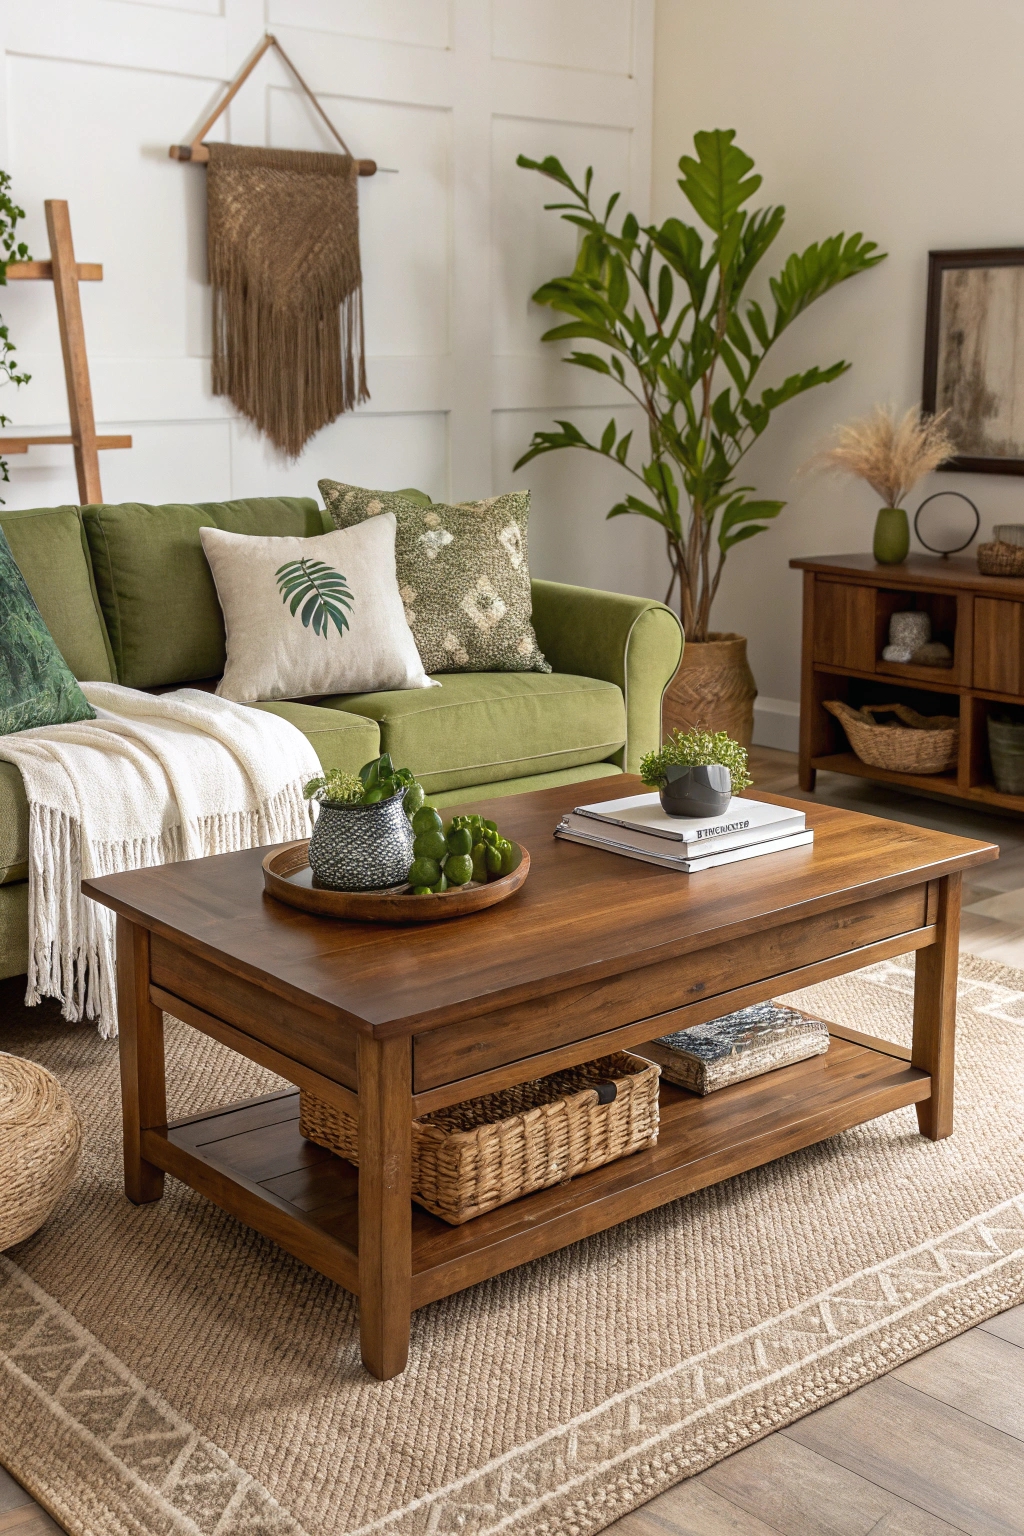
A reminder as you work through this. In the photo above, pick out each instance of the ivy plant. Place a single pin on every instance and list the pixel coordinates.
(679, 335)
(11, 249)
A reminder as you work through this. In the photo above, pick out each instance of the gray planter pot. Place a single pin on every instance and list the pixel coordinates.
(361, 847)
(1006, 749)
(701, 791)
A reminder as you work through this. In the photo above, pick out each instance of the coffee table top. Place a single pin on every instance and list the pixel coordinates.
(581, 915)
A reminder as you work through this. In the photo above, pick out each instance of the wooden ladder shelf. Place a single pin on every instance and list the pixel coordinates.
(66, 274)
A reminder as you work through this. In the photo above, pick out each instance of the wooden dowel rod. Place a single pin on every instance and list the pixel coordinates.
(88, 271)
(23, 444)
(200, 155)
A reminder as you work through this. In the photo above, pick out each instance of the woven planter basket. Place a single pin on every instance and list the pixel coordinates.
(922, 744)
(471, 1157)
(40, 1140)
(999, 559)
(713, 688)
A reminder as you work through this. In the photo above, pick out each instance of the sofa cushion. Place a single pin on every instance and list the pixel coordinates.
(339, 740)
(155, 587)
(50, 550)
(37, 687)
(485, 727)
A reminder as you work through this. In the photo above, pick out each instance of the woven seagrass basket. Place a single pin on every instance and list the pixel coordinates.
(471, 1157)
(999, 559)
(40, 1140)
(922, 744)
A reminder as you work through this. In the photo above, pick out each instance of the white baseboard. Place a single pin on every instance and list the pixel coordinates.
(777, 724)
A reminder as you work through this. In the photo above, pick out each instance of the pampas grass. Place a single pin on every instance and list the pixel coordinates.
(891, 452)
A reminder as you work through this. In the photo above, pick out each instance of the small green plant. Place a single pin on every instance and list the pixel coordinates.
(697, 748)
(11, 249)
(376, 780)
(335, 787)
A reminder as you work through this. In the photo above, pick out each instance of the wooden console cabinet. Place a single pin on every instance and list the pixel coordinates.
(848, 601)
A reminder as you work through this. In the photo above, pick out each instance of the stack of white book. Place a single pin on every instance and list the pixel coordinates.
(639, 828)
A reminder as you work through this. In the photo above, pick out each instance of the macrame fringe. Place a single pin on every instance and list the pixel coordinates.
(283, 254)
(72, 949)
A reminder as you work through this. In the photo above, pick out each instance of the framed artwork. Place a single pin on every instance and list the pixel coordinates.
(974, 355)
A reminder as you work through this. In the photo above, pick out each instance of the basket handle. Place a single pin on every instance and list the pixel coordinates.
(908, 716)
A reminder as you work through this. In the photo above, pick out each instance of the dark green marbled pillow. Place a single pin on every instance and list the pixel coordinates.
(463, 572)
(37, 687)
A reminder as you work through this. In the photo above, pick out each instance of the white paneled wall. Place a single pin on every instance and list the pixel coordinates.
(447, 92)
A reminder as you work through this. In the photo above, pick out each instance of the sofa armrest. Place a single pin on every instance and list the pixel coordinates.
(630, 641)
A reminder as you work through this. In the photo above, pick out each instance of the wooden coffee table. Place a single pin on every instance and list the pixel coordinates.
(595, 954)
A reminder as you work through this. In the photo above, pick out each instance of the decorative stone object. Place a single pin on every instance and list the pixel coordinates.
(934, 654)
(361, 847)
(40, 1142)
(907, 631)
(736, 1046)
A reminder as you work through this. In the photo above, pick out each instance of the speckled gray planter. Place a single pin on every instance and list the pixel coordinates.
(361, 847)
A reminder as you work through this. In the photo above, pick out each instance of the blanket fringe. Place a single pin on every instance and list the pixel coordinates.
(72, 938)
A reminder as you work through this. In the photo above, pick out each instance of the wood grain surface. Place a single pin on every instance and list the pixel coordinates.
(583, 915)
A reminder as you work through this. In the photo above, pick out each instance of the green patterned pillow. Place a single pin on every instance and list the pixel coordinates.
(37, 687)
(463, 573)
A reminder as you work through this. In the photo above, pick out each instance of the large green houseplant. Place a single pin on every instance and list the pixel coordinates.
(679, 335)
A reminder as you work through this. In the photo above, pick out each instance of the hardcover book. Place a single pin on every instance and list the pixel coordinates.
(683, 858)
(737, 1046)
(744, 821)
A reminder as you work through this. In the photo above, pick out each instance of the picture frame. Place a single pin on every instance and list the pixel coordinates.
(973, 338)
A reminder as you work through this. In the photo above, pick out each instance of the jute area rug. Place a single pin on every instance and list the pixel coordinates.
(165, 1370)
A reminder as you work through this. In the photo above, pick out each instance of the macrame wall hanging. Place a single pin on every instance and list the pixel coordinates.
(283, 256)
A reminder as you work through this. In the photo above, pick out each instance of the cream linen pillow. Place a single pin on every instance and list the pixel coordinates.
(312, 616)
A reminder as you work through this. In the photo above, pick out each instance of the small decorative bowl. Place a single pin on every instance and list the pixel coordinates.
(361, 847)
(701, 791)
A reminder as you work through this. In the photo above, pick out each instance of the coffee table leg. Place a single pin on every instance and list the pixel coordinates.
(385, 1210)
(935, 1012)
(141, 1046)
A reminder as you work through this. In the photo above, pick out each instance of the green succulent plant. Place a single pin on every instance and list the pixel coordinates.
(335, 787)
(695, 749)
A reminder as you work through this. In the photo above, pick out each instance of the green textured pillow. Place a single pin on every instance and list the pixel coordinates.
(463, 573)
(37, 687)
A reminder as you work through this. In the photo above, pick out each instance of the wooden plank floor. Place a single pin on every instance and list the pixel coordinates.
(934, 1449)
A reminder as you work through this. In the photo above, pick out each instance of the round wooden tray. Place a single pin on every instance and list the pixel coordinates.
(288, 877)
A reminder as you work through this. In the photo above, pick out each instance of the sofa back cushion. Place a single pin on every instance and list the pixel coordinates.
(154, 583)
(49, 548)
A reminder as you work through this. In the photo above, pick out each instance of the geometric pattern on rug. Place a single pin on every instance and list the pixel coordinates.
(587, 1469)
(199, 1490)
(647, 1415)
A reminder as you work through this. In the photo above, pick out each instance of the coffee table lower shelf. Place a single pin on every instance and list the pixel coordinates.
(251, 1160)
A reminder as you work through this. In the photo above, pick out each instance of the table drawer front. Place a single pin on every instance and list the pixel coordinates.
(493, 1039)
(318, 1043)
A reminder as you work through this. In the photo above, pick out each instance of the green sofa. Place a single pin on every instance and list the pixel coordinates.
(128, 597)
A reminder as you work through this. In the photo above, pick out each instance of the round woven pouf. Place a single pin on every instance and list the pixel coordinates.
(40, 1140)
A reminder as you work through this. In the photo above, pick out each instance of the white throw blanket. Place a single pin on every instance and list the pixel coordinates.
(153, 779)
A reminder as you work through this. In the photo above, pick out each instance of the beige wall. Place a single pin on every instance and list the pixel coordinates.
(904, 120)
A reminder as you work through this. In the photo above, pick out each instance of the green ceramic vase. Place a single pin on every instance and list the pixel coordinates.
(892, 536)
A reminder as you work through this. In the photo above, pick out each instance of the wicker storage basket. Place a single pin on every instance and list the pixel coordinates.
(999, 559)
(40, 1141)
(471, 1157)
(922, 744)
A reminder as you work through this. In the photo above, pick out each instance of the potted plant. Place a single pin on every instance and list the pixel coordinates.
(363, 839)
(678, 336)
(892, 453)
(696, 774)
